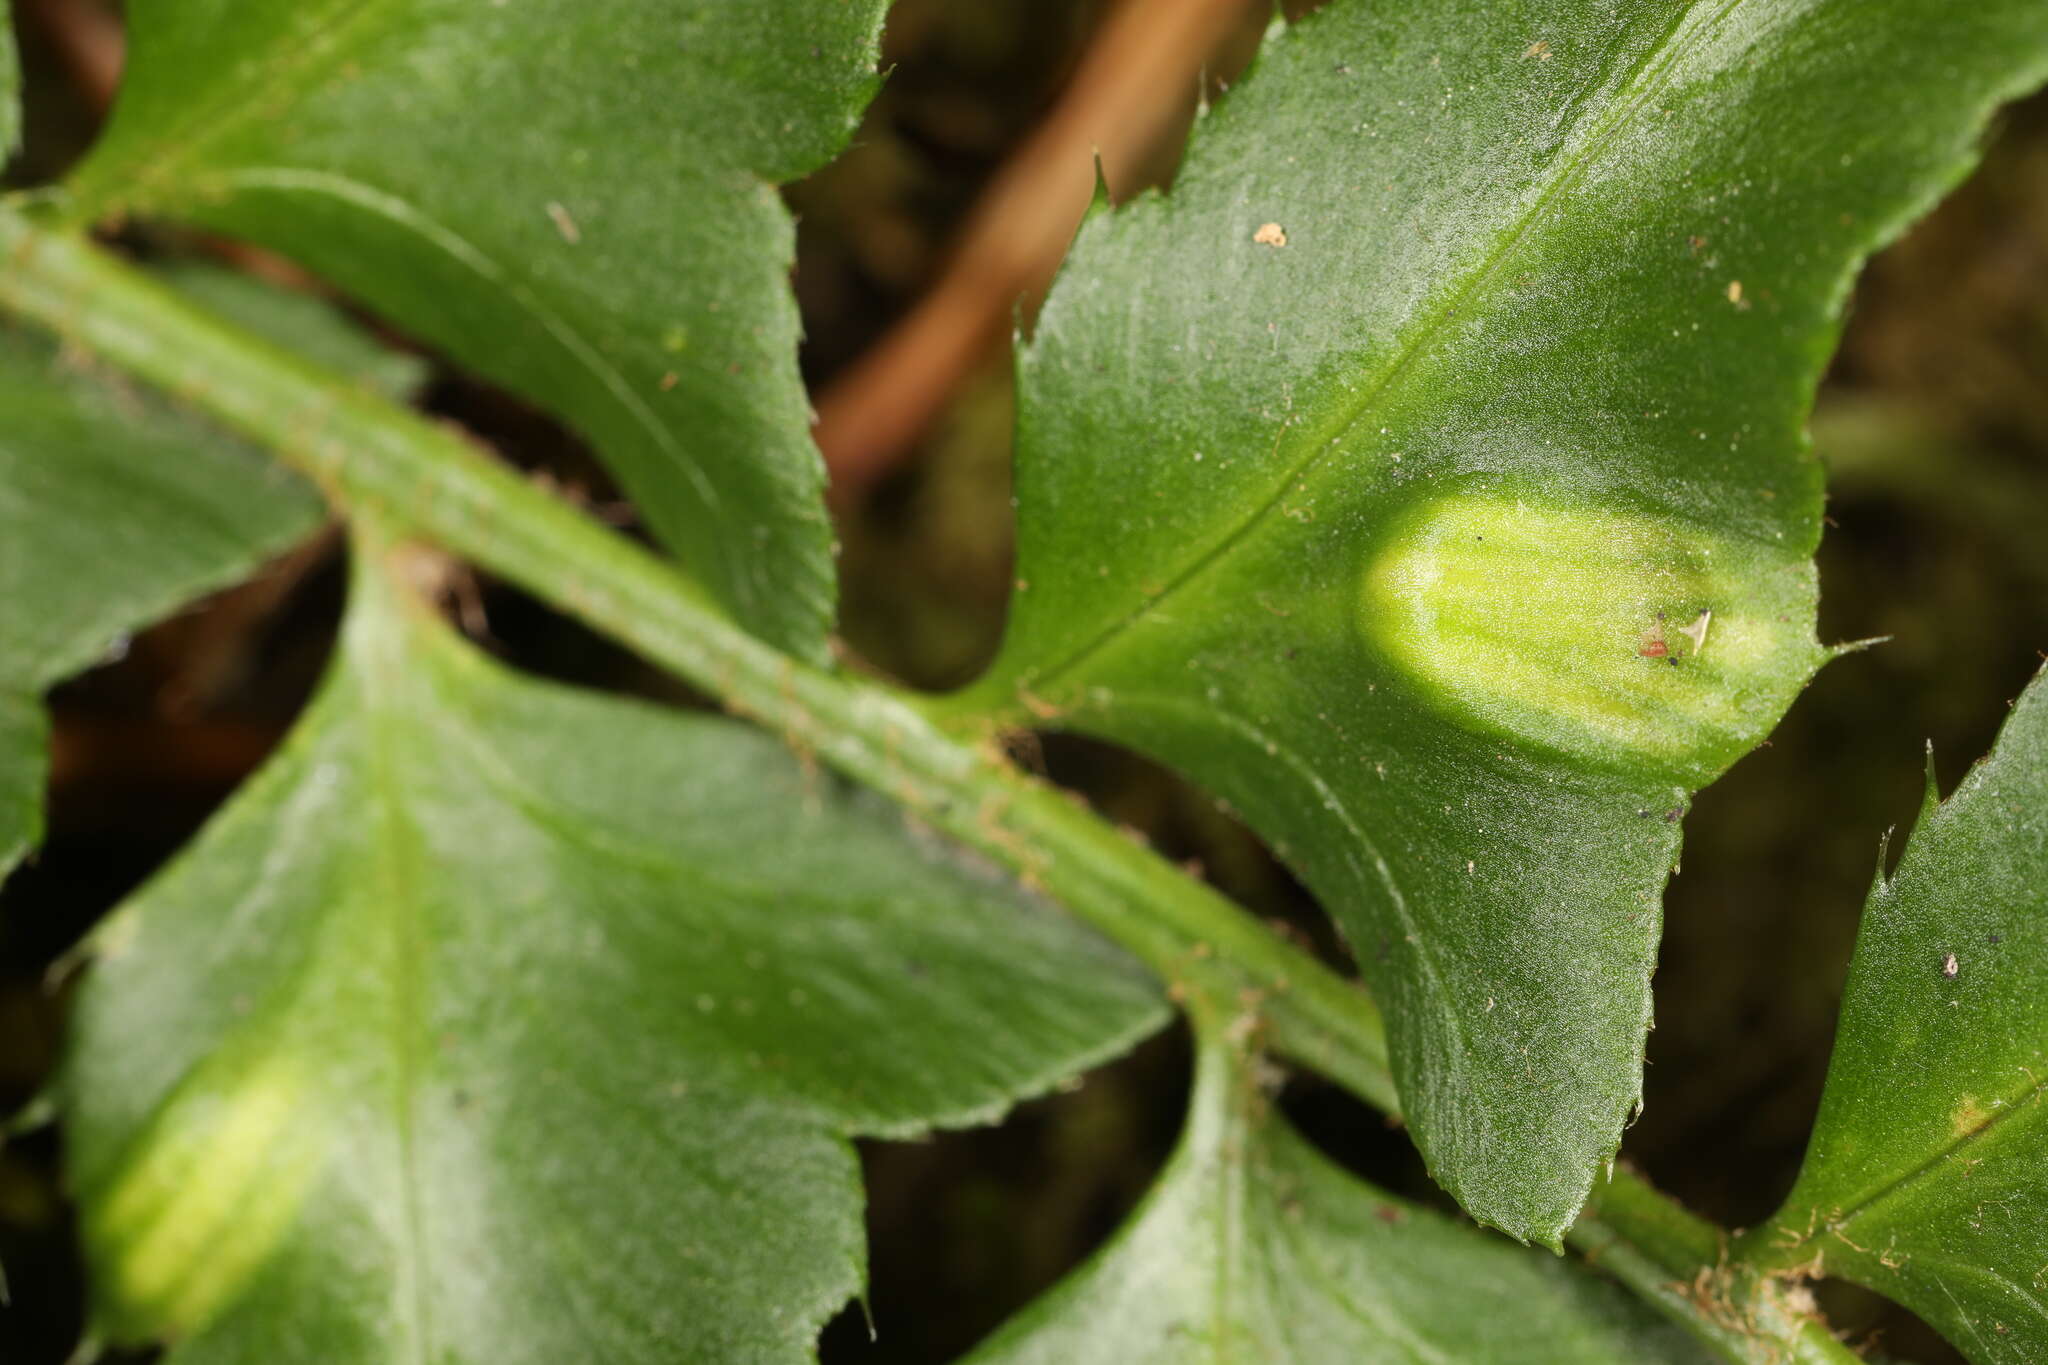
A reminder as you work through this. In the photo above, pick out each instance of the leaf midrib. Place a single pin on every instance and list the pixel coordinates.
(234, 104)
(1637, 88)
(397, 843)
(2024, 1102)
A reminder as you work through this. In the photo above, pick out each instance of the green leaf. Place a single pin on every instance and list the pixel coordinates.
(1927, 1176)
(1255, 1248)
(10, 88)
(499, 1022)
(575, 200)
(1425, 476)
(24, 742)
(114, 509)
(308, 327)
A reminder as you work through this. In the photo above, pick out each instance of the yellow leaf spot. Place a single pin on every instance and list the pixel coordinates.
(1584, 629)
(207, 1200)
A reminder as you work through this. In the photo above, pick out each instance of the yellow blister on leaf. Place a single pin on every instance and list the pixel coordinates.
(1624, 639)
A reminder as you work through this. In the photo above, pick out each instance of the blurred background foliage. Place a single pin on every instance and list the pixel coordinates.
(1933, 421)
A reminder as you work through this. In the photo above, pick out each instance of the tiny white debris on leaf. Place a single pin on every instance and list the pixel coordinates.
(1271, 234)
(1949, 966)
(1697, 631)
(564, 224)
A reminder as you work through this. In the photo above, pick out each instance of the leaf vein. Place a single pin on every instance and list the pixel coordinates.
(1643, 82)
(370, 199)
(2023, 1102)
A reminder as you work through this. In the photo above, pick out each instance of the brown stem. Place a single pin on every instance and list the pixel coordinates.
(89, 37)
(1139, 74)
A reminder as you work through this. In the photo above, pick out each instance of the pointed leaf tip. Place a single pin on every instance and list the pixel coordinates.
(1926, 1173)
(1252, 480)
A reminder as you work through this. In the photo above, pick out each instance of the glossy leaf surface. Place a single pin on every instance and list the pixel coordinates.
(575, 200)
(1425, 476)
(113, 511)
(1927, 1176)
(499, 1022)
(1254, 1248)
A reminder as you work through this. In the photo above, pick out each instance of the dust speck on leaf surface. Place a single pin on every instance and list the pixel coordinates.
(564, 224)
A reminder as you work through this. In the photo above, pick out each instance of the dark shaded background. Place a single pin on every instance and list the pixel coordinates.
(1934, 422)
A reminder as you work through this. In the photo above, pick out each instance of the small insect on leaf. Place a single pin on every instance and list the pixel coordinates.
(1950, 967)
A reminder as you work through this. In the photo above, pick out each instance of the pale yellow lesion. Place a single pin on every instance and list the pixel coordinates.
(1969, 1118)
(207, 1199)
(1603, 634)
